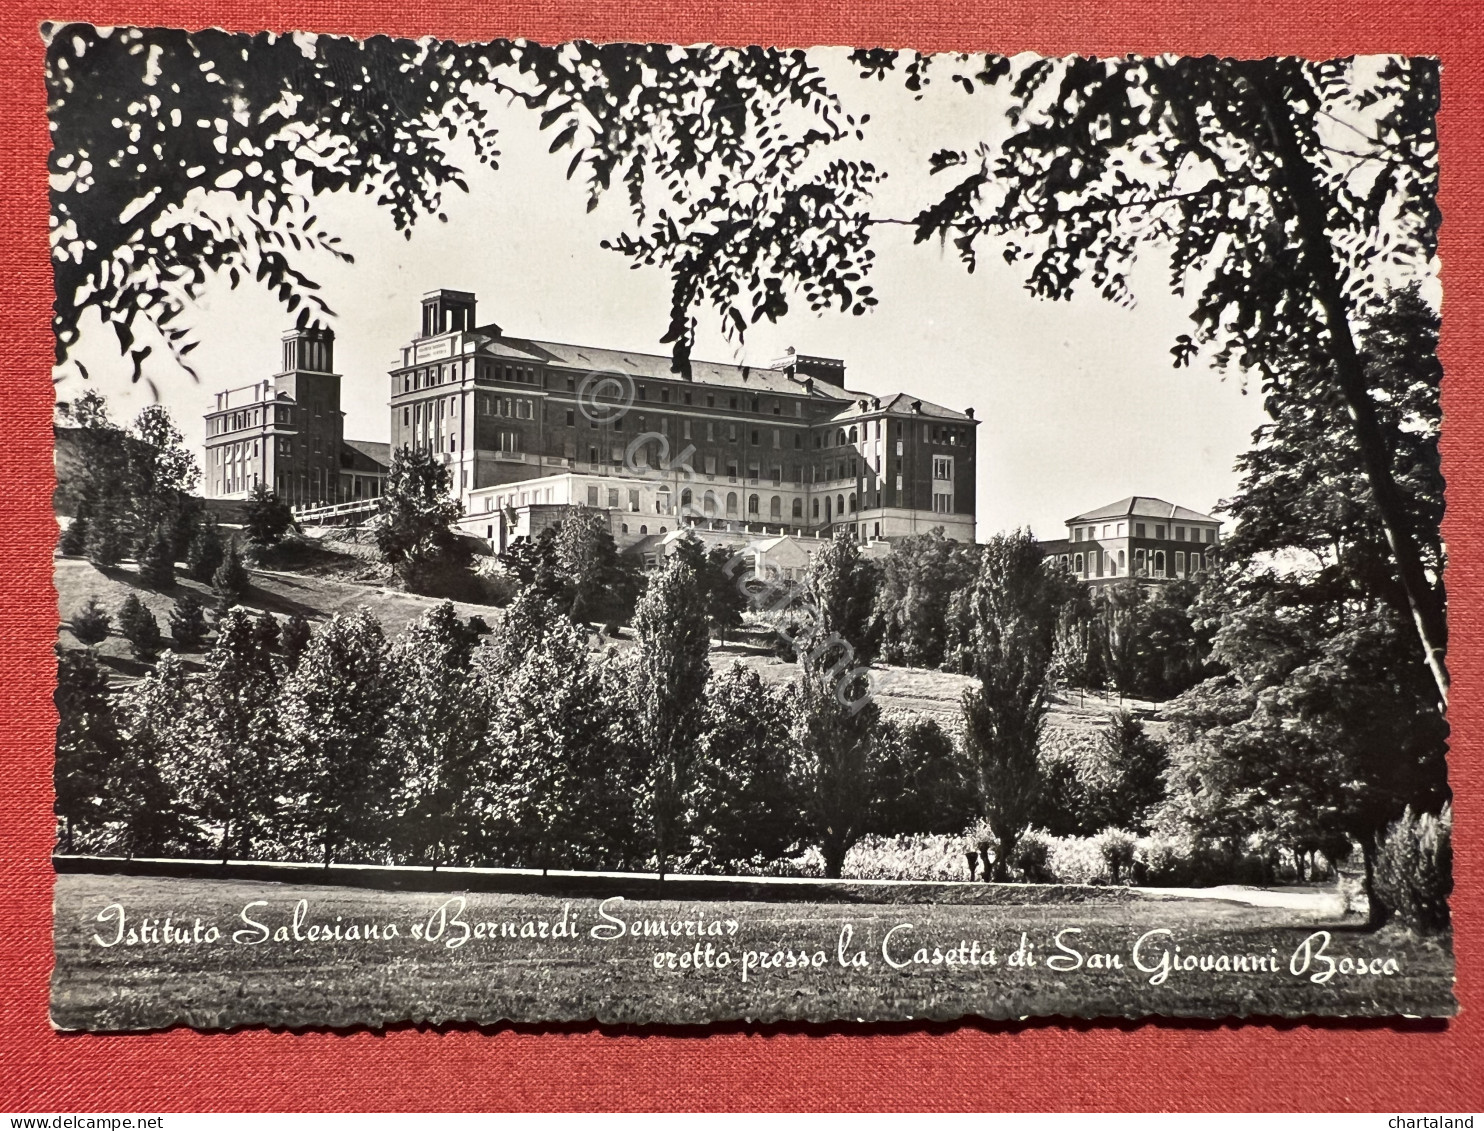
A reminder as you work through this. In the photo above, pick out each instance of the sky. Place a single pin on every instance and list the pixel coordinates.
(1079, 401)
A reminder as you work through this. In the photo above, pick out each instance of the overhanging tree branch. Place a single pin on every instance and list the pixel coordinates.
(1297, 179)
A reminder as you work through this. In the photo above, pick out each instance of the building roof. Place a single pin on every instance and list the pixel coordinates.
(656, 367)
(902, 404)
(1142, 506)
(366, 455)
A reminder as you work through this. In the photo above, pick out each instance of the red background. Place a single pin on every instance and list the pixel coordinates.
(1042, 1064)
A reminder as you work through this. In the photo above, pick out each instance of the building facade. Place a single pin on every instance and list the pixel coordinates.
(1139, 536)
(785, 449)
(286, 433)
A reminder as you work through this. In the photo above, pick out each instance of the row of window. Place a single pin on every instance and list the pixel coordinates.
(1141, 530)
(1104, 563)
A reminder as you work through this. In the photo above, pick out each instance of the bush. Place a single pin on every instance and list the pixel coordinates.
(1412, 875)
(884, 858)
(1032, 859)
(1077, 860)
(1117, 849)
(91, 625)
(140, 628)
(188, 622)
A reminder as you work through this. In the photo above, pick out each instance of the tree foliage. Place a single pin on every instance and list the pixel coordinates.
(91, 624)
(1291, 195)
(239, 759)
(720, 153)
(414, 523)
(744, 798)
(671, 672)
(435, 735)
(88, 743)
(337, 705)
(269, 518)
(1014, 604)
(188, 622)
(909, 614)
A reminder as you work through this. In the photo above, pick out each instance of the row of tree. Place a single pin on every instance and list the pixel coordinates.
(529, 750)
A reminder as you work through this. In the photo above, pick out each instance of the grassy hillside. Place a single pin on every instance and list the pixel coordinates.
(283, 594)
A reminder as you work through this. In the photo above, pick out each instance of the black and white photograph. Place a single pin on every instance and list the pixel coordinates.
(665, 535)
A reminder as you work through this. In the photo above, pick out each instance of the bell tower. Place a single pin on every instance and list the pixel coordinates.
(445, 311)
(309, 350)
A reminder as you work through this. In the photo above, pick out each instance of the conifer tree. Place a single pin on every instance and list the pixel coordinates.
(140, 628)
(91, 625)
(205, 553)
(88, 743)
(105, 541)
(230, 582)
(188, 622)
(157, 562)
(269, 518)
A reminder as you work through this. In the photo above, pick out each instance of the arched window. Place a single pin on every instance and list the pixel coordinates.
(840, 442)
(1080, 564)
(1159, 563)
(685, 499)
(731, 502)
(662, 501)
(852, 502)
(1122, 562)
(839, 504)
(643, 530)
(708, 504)
(852, 434)
(775, 507)
(798, 508)
(827, 508)
(752, 504)
(816, 510)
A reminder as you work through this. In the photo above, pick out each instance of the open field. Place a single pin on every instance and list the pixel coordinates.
(238, 956)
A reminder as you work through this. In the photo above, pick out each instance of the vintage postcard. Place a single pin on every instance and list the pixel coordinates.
(672, 534)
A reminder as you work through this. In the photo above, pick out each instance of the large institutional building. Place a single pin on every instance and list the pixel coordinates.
(1137, 537)
(286, 433)
(528, 428)
(786, 449)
